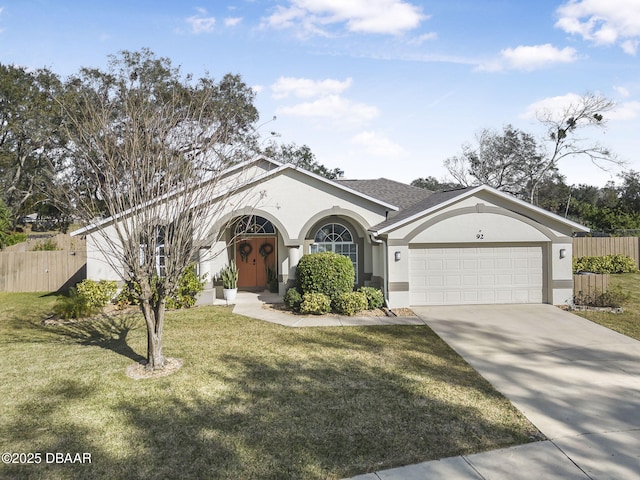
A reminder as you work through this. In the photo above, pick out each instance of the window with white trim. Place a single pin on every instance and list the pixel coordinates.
(336, 238)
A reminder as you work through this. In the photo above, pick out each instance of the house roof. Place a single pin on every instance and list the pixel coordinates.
(390, 191)
(277, 167)
(441, 199)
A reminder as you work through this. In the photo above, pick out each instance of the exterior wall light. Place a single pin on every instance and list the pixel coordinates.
(397, 256)
(563, 252)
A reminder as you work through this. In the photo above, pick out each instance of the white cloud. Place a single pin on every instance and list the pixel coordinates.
(551, 105)
(425, 37)
(232, 21)
(603, 22)
(335, 108)
(200, 23)
(557, 106)
(622, 91)
(362, 16)
(530, 58)
(625, 111)
(379, 145)
(307, 88)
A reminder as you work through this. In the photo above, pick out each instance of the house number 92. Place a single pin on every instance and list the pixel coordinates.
(479, 235)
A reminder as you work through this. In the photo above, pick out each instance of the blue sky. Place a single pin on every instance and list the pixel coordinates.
(379, 88)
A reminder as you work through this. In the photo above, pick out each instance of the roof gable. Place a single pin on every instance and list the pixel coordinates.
(442, 199)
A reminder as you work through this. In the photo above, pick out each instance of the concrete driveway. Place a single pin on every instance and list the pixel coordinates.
(579, 383)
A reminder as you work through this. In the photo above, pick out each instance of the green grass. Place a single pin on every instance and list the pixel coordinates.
(628, 322)
(253, 400)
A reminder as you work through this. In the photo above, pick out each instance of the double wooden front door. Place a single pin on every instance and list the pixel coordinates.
(254, 256)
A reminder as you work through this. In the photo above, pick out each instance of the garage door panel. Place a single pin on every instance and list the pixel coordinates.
(477, 275)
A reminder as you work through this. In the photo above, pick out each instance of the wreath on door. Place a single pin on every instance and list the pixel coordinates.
(266, 249)
(245, 250)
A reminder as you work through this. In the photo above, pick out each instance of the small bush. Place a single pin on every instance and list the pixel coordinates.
(73, 305)
(350, 303)
(97, 294)
(47, 245)
(189, 287)
(605, 264)
(293, 299)
(12, 238)
(613, 298)
(326, 272)
(315, 304)
(375, 298)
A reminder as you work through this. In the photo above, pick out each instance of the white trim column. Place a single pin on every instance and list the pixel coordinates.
(294, 258)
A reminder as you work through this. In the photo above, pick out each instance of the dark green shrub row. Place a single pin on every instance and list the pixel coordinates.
(605, 264)
(345, 303)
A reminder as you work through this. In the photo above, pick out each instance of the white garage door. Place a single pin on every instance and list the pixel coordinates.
(476, 275)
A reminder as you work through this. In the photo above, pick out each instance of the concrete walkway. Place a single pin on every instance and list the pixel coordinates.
(579, 383)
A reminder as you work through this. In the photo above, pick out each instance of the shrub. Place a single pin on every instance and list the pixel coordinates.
(328, 273)
(349, 303)
(614, 298)
(605, 264)
(375, 298)
(189, 286)
(73, 305)
(293, 299)
(47, 245)
(315, 304)
(97, 294)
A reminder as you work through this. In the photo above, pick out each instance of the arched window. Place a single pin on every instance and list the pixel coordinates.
(254, 225)
(336, 238)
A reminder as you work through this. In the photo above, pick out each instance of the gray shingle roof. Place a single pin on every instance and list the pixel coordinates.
(432, 200)
(390, 191)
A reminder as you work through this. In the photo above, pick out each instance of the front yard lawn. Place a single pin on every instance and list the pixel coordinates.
(253, 400)
(628, 322)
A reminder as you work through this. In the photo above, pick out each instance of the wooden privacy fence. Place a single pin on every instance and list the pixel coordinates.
(590, 284)
(600, 246)
(25, 270)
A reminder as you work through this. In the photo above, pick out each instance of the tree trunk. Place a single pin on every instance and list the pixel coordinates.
(154, 318)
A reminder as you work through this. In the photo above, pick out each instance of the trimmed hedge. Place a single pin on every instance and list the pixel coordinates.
(315, 304)
(350, 303)
(293, 299)
(97, 294)
(328, 273)
(605, 264)
(375, 298)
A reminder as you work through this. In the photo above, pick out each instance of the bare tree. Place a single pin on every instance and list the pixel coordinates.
(151, 151)
(562, 138)
(516, 163)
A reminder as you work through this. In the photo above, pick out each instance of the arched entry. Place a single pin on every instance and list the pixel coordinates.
(255, 252)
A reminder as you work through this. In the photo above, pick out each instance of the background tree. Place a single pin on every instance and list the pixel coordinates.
(509, 161)
(515, 162)
(30, 137)
(148, 147)
(433, 184)
(301, 157)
